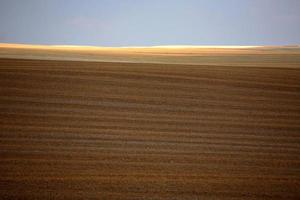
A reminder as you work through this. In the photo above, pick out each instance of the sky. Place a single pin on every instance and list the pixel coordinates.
(150, 22)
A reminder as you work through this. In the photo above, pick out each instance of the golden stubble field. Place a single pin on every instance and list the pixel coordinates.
(130, 130)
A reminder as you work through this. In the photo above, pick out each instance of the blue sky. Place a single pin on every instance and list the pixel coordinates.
(150, 22)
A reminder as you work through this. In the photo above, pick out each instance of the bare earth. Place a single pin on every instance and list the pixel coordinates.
(157, 123)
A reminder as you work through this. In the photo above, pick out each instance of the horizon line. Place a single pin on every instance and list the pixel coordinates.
(152, 46)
